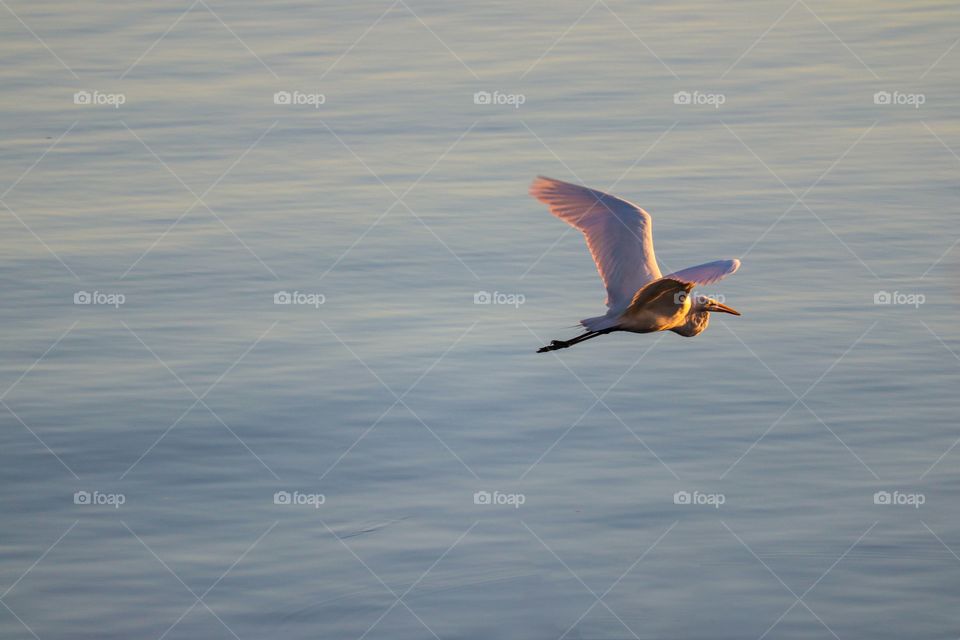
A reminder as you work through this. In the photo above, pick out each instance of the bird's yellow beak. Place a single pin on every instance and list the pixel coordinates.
(713, 305)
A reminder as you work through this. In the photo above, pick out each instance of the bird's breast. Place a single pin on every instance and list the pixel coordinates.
(650, 320)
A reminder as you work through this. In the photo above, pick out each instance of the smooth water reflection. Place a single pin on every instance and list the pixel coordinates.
(398, 399)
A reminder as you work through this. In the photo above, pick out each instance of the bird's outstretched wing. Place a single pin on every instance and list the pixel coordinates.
(619, 235)
(706, 273)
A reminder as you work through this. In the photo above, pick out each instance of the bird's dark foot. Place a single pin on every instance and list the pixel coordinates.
(554, 345)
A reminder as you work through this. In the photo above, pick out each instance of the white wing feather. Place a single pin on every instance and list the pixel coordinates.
(706, 273)
(619, 235)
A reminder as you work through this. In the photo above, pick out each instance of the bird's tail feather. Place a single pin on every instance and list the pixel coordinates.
(599, 323)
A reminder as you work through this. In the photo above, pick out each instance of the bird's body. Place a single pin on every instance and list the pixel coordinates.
(619, 235)
(659, 306)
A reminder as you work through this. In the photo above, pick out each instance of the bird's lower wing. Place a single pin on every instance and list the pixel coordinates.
(619, 235)
(706, 273)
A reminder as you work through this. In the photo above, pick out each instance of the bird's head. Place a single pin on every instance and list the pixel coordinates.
(703, 303)
(699, 316)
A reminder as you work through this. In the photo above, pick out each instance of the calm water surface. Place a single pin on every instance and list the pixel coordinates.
(199, 403)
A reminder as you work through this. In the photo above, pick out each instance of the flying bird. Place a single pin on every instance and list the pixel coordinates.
(620, 238)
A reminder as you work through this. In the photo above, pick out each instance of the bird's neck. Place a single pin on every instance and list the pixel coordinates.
(696, 322)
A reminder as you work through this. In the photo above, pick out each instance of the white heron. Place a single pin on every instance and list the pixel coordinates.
(620, 238)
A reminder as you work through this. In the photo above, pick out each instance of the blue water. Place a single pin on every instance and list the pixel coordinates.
(398, 399)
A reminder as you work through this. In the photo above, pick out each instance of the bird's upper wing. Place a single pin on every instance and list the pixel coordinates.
(706, 273)
(619, 235)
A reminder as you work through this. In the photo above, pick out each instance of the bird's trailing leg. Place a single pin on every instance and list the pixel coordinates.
(563, 344)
